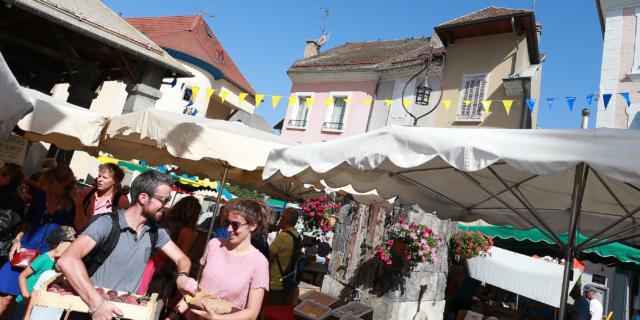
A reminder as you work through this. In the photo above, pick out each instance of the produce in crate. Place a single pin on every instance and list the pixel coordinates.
(219, 306)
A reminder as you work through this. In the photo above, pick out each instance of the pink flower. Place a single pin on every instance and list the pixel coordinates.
(409, 257)
(412, 236)
(402, 220)
(383, 257)
(406, 227)
(389, 242)
(311, 214)
(424, 259)
(389, 261)
(435, 259)
(469, 234)
(322, 198)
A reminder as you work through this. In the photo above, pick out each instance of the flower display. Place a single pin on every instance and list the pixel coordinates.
(412, 242)
(471, 244)
(319, 214)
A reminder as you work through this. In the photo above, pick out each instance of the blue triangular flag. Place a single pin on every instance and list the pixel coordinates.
(550, 101)
(625, 95)
(190, 103)
(590, 98)
(531, 103)
(173, 83)
(570, 101)
(605, 98)
(194, 112)
(182, 86)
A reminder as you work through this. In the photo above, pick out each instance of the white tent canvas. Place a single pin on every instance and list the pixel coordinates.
(14, 104)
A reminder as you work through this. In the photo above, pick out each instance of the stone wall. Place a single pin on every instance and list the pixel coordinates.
(396, 291)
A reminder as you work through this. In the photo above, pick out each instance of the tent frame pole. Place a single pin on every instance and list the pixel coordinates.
(526, 205)
(588, 244)
(477, 183)
(515, 185)
(608, 241)
(215, 212)
(579, 186)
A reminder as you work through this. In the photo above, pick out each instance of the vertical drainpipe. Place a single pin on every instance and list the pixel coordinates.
(514, 74)
(373, 102)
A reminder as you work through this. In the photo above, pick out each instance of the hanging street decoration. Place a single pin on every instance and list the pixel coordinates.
(507, 105)
(223, 95)
(625, 95)
(550, 101)
(447, 103)
(241, 97)
(194, 92)
(570, 101)
(590, 98)
(209, 93)
(486, 104)
(605, 98)
(259, 99)
(531, 103)
(275, 100)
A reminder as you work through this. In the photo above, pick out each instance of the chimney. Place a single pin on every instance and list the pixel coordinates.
(311, 49)
(538, 30)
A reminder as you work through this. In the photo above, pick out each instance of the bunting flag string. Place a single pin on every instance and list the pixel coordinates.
(467, 102)
(259, 99)
(447, 103)
(275, 100)
(625, 95)
(406, 103)
(293, 100)
(241, 97)
(486, 104)
(570, 101)
(368, 101)
(507, 105)
(531, 103)
(309, 102)
(388, 102)
(550, 101)
(209, 93)
(590, 98)
(174, 82)
(328, 102)
(347, 101)
(605, 98)
(194, 92)
(223, 95)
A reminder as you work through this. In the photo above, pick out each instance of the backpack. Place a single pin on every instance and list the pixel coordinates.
(292, 275)
(114, 202)
(98, 255)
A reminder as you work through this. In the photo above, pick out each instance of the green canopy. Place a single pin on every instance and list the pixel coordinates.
(530, 242)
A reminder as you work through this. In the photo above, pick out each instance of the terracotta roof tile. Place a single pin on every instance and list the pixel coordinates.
(369, 55)
(484, 14)
(191, 35)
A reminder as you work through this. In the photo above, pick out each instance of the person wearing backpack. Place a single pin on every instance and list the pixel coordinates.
(284, 251)
(114, 249)
(100, 198)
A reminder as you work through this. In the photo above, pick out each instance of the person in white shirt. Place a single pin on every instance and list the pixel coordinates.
(595, 307)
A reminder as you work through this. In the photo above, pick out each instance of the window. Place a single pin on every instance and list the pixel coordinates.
(187, 94)
(474, 90)
(299, 114)
(334, 120)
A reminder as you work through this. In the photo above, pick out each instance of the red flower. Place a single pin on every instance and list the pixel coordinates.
(389, 242)
(469, 250)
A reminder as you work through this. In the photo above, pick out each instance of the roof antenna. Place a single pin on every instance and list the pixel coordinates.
(324, 36)
(533, 5)
(205, 13)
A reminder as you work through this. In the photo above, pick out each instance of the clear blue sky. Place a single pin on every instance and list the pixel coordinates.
(265, 37)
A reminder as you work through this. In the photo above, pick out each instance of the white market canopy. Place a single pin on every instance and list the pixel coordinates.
(14, 104)
(68, 126)
(530, 277)
(472, 174)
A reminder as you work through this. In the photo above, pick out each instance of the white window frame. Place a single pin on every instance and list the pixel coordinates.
(328, 113)
(466, 76)
(296, 108)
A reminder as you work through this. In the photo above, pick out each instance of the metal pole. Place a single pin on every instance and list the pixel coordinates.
(579, 185)
(220, 190)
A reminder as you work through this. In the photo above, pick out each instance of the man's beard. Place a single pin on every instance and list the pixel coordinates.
(152, 216)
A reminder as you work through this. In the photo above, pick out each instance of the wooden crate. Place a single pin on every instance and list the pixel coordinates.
(73, 303)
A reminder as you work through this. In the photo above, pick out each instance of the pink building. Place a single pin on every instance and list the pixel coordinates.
(620, 62)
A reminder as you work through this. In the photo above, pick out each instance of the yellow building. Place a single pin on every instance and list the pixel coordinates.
(492, 54)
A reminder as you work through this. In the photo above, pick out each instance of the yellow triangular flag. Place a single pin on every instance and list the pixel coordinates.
(328, 102)
(275, 100)
(347, 101)
(309, 102)
(507, 105)
(486, 104)
(467, 102)
(368, 101)
(388, 102)
(259, 99)
(194, 91)
(447, 103)
(429, 102)
(241, 97)
(223, 95)
(209, 93)
(292, 100)
(407, 102)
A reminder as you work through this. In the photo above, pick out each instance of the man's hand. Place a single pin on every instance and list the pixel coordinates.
(187, 285)
(106, 312)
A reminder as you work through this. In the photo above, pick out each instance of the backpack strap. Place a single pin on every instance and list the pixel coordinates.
(98, 255)
(153, 236)
(294, 250)
(87, 198)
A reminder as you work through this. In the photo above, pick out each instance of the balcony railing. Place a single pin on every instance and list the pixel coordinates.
(332, 125)
(297, 123)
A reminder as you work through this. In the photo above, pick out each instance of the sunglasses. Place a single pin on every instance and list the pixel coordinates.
(235, 225)
(162, 199)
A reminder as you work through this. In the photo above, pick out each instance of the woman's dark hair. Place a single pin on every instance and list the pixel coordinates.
(187, 210)
(115, 171)
(15, 173)
(254, 211)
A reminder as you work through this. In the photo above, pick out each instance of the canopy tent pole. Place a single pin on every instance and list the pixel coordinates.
(547, 233)
(576, 203)
(588, 244)
(215, 212)
(607, 228)
(617, 239)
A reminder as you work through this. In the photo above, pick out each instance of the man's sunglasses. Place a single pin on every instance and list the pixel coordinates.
(162, 199)
(235, 225)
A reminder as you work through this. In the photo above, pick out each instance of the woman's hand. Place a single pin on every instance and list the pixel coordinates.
(15, 248)
(206, 313)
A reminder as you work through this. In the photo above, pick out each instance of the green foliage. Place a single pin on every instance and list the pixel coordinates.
(244, 193)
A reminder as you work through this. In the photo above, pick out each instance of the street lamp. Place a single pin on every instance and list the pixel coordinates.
(422, 95)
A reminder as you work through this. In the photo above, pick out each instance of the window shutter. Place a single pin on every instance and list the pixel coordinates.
(338, 110)
(474, 91)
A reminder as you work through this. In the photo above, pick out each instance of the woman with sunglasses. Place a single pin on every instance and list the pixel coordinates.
(234, 270)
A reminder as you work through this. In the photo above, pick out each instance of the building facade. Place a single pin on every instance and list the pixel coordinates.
(620, 62)
(362, 86)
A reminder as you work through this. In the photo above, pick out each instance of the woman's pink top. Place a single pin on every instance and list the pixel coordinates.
(231, 277)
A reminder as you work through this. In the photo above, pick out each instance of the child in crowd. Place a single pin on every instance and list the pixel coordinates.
(59, 240)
